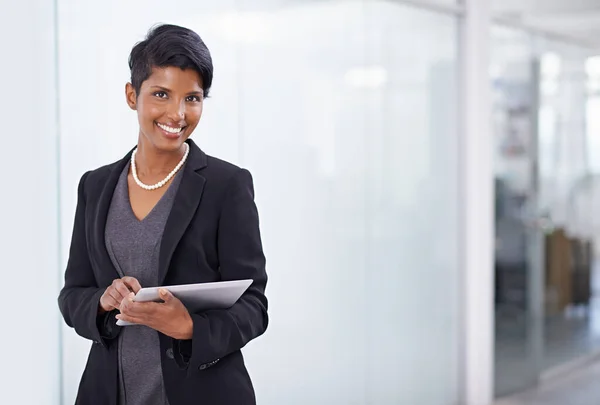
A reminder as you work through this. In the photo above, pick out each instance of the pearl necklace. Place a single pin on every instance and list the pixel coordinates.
(163, 181)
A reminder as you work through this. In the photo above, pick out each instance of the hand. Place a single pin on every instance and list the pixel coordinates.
(116, 292)
(169, 317)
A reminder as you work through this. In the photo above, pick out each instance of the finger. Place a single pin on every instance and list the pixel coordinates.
(110, 302)
(140, 309)
(147, 309)
(129, 318)
(122, 288)
(165, 295)
(115, 295)
(127, 303)
(132, 283)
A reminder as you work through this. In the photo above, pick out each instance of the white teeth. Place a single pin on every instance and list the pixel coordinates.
(170, 129)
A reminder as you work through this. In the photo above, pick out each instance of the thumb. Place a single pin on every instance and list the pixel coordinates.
(165, 295)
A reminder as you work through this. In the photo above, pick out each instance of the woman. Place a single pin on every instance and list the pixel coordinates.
(165, 214)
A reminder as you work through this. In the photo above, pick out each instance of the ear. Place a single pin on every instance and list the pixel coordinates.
(131, 96)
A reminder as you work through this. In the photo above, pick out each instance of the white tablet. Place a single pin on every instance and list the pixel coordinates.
(197, 297)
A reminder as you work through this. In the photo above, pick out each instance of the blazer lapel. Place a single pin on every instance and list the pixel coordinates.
(184, 207)
(103, 260)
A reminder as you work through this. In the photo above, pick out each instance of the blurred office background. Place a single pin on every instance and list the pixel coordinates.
(426, 173)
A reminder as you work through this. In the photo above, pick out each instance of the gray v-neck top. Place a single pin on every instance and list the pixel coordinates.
(133, 246)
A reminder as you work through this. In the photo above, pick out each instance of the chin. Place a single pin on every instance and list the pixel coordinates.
(170, 145)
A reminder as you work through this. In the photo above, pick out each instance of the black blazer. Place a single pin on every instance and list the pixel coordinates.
(212, 234)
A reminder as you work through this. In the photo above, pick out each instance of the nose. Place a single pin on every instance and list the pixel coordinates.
(176, 111)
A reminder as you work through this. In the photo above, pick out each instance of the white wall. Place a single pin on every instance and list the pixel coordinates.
(28, 206)
(345, 112)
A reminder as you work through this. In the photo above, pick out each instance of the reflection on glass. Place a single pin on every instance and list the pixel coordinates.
(514, 106)
(566, 191)
(545, 308)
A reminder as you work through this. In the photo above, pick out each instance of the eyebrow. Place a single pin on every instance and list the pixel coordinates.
(191, 93)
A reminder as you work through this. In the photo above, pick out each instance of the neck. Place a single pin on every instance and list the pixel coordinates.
(151, 161)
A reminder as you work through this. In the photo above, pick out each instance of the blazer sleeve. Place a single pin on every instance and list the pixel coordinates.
(79, 298)
(218, 333)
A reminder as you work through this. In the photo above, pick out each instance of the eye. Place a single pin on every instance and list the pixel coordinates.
(160, 94)
(195, 99)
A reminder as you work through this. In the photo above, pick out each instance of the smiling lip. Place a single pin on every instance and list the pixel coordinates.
(169, 131)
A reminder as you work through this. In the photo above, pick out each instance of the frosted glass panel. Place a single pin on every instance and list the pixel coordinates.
(348, 125)
(28, 206)
(356, 181)
(412, 270)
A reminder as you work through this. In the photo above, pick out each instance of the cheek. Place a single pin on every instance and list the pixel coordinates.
(194, 115)
(149, 113)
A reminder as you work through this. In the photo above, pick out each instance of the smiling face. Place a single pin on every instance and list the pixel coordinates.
(169, 107)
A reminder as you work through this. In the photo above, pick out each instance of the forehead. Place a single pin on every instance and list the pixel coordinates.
(174, 78)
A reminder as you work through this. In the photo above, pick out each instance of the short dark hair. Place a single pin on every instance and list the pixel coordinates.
(169, 45)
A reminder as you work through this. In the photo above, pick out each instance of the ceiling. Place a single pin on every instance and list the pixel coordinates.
(578, 20)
